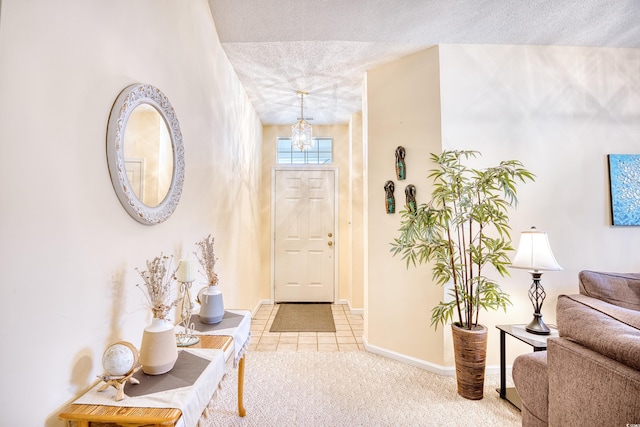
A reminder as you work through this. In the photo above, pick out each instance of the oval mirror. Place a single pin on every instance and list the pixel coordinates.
(145, 153)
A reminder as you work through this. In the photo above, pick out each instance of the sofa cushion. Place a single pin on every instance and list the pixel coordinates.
(608, 329)
(622, 289)
(531, 378)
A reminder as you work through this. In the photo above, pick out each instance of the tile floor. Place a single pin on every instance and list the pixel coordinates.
(348, 335)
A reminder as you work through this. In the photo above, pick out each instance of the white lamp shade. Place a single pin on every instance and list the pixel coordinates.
(534, 252)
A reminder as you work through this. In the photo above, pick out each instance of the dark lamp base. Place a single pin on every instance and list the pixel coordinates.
(537, 326)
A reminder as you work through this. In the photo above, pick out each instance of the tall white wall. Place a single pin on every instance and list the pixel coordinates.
(560, 110)
(68, 248)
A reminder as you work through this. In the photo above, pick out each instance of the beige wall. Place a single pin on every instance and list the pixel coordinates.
(356, 217)
(341, 143)
(69, 250)
(560, 110)
(403, 103)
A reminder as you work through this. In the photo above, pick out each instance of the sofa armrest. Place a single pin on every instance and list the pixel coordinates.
(589, 389)
(531, 378)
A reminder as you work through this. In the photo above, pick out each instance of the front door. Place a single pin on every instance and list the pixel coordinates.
(304, 235)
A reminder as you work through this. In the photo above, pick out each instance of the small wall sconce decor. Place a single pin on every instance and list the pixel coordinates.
(624, 179)
(534, 254)
(410, 193)
(401, 167)
(389, 201)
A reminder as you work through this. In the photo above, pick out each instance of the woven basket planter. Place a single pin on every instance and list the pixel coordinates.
(470, 350)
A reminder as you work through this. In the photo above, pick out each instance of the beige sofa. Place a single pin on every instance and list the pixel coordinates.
(590, 375)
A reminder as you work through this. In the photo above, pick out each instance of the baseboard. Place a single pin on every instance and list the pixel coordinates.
(428, 366)
(260, 303)
(351, 309)
(449, 371)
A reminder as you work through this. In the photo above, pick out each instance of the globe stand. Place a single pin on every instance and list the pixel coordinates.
(186, 337)
(118, 382)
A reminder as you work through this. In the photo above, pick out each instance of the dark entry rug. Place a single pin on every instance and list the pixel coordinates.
(308, 317)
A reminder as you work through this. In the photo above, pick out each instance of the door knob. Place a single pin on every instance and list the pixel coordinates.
(330, 234)
(330, 243)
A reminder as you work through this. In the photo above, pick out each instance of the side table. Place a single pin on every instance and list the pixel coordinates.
(538, 342)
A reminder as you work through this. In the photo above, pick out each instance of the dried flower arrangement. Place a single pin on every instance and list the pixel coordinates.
(157, 286)
(207, 259)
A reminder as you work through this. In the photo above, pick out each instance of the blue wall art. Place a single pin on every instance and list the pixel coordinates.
(624, 177)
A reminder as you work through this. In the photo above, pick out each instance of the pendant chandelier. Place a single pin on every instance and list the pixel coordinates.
(301, 137)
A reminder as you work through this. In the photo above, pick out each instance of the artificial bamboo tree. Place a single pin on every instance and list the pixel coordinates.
(463, 230)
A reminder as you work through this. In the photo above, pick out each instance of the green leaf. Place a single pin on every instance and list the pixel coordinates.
(462, 230)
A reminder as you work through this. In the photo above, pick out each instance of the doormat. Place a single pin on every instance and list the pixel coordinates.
(303, 318)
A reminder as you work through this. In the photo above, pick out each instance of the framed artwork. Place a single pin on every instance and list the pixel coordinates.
(624, 180)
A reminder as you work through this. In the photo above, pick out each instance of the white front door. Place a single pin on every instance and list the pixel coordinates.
(304, 235)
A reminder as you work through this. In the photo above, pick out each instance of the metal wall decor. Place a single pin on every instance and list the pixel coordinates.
(389, 201)
(624, 179)
(401, 167)
(410, 193)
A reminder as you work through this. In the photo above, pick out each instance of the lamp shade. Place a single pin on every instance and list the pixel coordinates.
(534, 252)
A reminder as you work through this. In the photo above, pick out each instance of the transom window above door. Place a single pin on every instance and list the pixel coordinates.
(320, 154)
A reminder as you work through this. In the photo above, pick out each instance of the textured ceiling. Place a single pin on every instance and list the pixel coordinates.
(324, 47)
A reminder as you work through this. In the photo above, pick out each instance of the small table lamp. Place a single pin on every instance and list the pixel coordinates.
(534, 254)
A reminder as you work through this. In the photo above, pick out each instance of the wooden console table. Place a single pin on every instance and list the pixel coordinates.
(86, 415)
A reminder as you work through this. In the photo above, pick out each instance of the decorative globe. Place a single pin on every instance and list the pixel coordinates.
(119, 358)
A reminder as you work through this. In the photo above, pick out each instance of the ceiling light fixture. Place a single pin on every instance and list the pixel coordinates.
(301, 136)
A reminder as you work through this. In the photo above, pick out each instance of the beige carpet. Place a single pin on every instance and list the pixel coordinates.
(303, 318)
(350, 389)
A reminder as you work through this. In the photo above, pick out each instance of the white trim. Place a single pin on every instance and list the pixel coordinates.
(351, 309)
(449, 371)
(285, 167)
(260, 304)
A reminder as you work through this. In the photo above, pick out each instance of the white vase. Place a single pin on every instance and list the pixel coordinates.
(158, 351)
(211, 305)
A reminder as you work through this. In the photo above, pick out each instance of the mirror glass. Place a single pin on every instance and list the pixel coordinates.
(145, 153)
(148, 155)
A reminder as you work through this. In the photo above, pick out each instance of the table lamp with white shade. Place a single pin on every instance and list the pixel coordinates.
(534, 254)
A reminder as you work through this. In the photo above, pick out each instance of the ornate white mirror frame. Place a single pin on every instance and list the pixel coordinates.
(130, 98)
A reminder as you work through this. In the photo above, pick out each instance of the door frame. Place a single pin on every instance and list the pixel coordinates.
(274, 169)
